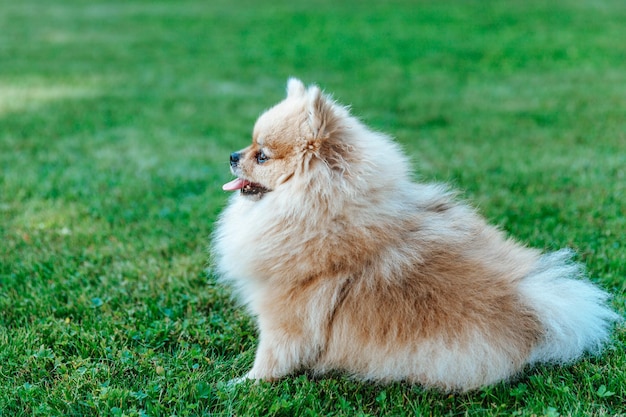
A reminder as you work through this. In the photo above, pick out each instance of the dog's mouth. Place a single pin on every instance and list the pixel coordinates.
(245, 187)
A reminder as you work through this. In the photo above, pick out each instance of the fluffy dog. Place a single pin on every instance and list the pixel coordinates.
(349, 265)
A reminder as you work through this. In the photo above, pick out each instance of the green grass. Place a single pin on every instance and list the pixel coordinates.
(116, 120)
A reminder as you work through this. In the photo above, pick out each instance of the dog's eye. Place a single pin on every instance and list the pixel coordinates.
(261, 157)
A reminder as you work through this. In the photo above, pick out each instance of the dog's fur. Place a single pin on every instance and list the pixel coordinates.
(349, 265)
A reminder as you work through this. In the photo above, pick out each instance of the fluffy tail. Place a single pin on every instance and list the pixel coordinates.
(574, 312)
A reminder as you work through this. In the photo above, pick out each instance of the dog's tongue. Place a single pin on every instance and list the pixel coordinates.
(236, 184)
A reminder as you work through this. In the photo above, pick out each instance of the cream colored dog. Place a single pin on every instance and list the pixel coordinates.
(347, 264)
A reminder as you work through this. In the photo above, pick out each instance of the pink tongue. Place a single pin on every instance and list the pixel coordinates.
(236, 184)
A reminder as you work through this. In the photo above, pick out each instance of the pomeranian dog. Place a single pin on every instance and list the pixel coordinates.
(349, 265)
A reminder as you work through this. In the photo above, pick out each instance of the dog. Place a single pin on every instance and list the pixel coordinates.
(349, 265)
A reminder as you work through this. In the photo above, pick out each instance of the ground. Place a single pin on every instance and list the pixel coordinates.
(116, 122)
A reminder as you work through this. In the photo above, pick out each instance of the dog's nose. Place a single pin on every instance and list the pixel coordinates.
(234, 159)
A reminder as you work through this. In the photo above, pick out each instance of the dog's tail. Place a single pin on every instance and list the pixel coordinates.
(573, 311)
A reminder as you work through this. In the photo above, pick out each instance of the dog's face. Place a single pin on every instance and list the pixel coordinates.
(272, 157)
(284, 138)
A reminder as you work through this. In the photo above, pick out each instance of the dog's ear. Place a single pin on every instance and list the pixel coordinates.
(323, 117)
(327, 119)
(295, 88)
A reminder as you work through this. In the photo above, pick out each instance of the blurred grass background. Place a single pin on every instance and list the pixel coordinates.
(116, 121)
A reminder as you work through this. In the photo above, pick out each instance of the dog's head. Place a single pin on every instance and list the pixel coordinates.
(287, 140)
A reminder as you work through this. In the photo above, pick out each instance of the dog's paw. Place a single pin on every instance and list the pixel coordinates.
(250, 376)
(238, 381)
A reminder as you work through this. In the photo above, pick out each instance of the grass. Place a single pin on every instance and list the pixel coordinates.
(116, 120)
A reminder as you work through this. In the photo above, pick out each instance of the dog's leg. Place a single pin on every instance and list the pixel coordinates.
(293, 341)
(277, 356)
(273, 361)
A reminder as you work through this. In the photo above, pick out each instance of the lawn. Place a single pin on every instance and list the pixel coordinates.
(116, 122)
